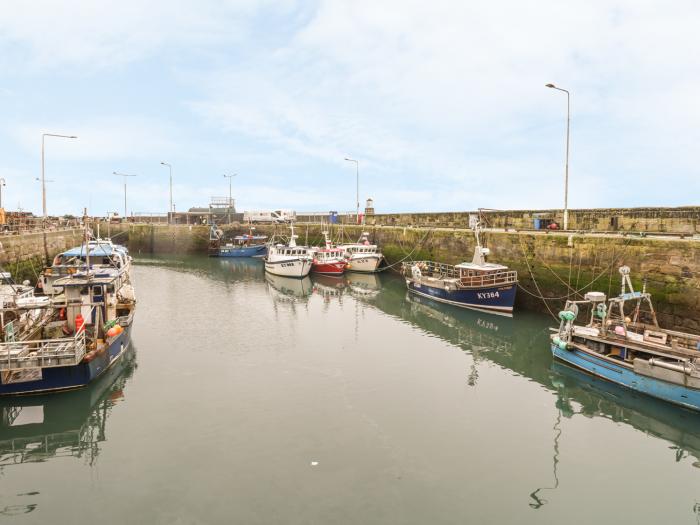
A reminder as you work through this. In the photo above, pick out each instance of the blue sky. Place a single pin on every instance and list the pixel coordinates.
(443, 103)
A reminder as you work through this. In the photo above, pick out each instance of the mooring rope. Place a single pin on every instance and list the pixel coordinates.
(420, 244)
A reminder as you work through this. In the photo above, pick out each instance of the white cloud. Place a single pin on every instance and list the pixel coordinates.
(105, 138)
(444, 103)
(107, 33)
(455, 91)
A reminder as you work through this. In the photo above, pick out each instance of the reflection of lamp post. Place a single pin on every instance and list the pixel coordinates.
(229, 177)
(2, 183)
(172, 209)
(566, 169)
(125, 175)
(357, 181)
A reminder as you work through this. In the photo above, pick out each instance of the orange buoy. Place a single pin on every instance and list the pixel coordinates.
(79, 323)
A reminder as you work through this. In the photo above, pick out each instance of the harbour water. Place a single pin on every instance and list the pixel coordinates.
(255, 399)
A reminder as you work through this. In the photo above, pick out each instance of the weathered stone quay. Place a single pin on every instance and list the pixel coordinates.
(552, 265)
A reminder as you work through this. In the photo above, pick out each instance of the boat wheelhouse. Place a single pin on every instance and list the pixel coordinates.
(362, 256)
(87, 328)
(478, 285)
(622, 342)
(102, 253)
(289, 260)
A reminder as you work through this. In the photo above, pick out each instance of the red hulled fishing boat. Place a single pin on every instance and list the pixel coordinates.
(329, 260)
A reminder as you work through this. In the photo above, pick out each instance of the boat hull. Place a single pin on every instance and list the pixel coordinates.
(627, 377)
(69, 377)
(494, 299)
(257, 250)
(364, 264)
(330, 268)
(289, 268)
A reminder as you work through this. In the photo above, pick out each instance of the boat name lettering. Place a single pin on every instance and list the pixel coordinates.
(487, 295)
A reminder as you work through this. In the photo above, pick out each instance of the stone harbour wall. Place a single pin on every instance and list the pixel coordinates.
(682, 221)
(553, 265)
(23, 255)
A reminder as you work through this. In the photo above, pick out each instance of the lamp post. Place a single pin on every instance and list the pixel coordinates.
(170, 167)
(2, 183)
(357, 181)
(125, 175)
(229, 177)
(566, 168)
(43, 186)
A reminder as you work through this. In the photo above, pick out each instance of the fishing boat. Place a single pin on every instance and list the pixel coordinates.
(288, 260)
(245, 246)
(362, 256)
(329, 260)
(622, 342)
(86, 328)
(478, 285)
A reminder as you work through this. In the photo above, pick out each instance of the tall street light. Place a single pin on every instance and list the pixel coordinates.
(125, 175)
(43, 181)
(43, 186)
(357, 180)
(171, 210)
(566, 168)
(229, 177)
(2, 183)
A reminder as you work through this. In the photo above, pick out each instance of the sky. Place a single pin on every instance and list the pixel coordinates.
(443, 103)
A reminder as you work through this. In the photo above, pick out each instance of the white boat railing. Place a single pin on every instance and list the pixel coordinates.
(43, 353)
(438, 270)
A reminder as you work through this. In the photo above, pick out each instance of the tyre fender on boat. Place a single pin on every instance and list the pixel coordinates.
(415, 272)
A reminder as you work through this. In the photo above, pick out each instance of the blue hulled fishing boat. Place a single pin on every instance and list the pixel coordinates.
(478, 285)
(82, 329)
(623, 343)
(245, 246)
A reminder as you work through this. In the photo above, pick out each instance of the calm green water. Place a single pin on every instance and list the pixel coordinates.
(256, 400)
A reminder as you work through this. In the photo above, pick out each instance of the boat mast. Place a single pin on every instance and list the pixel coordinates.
(292, 238)
(479, 251)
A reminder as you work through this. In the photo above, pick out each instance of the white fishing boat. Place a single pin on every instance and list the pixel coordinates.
(289, 260)
(362, 256)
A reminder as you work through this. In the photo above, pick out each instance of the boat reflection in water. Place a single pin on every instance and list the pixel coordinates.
(240, 268)
(363, 285)
(289, 289)
(478, 333)
(513, 344)
(38, 428)
(328, 286)
(599, 398)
